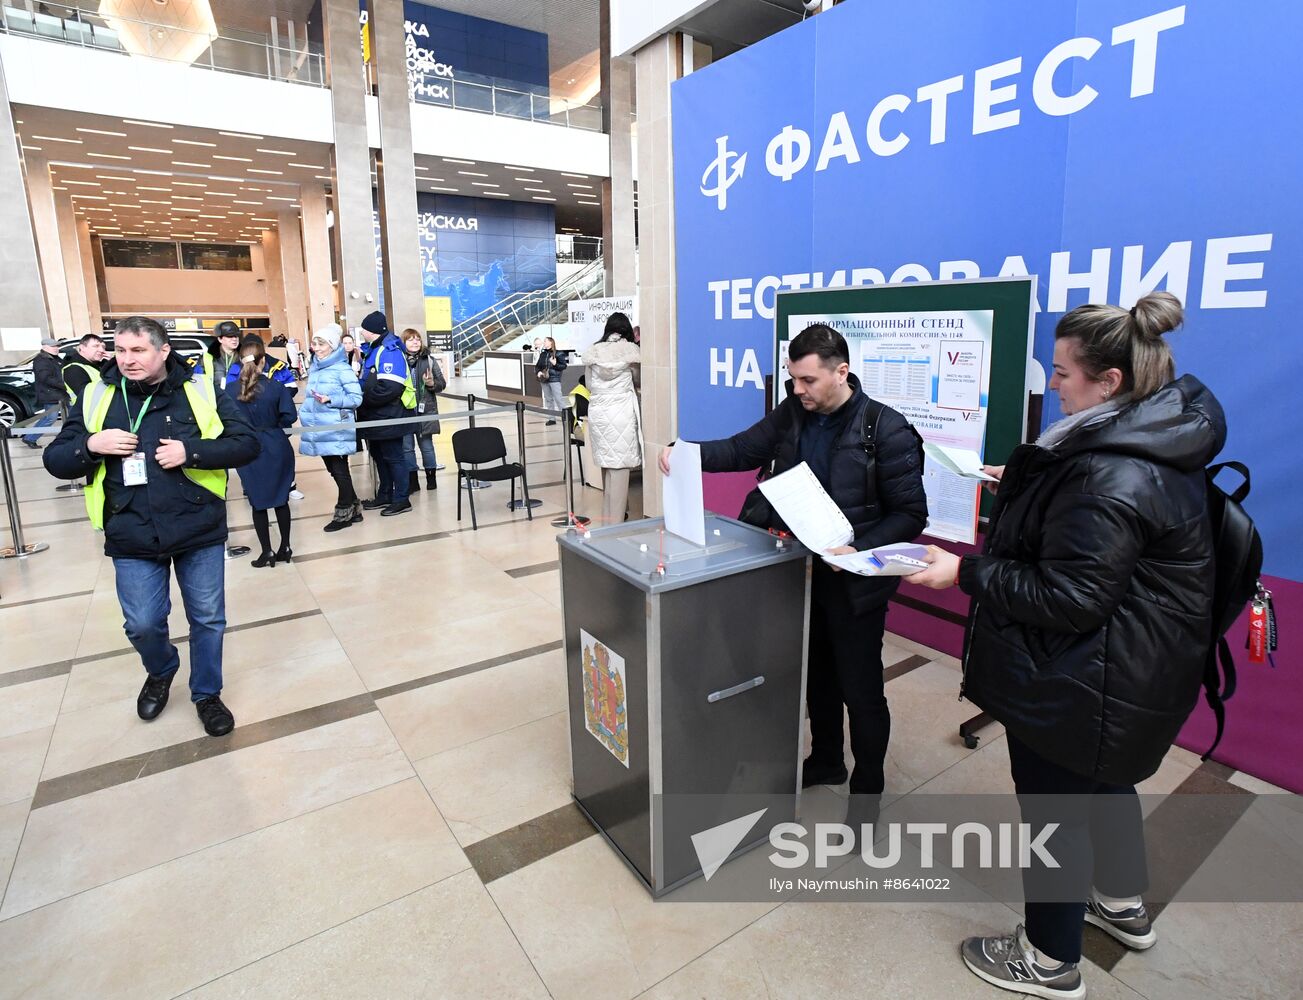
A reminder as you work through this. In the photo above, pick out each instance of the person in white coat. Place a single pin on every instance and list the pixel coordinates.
(614, 424)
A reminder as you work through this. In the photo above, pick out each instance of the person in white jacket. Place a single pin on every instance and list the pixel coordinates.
(614, 424)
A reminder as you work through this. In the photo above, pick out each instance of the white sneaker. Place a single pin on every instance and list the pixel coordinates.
(296, 495)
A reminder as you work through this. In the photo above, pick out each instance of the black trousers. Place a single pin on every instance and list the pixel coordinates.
(337, 466)
(391, 469)
(1100, 840)
(845, 669)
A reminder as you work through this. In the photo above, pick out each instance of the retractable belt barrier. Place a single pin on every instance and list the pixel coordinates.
(21, 547)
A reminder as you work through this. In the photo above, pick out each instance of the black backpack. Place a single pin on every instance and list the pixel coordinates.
(1237, 564)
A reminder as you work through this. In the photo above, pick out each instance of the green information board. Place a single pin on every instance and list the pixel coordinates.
(951, 355)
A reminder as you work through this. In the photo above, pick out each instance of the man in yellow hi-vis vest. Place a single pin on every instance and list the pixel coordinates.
(83, 366)
(154, 443)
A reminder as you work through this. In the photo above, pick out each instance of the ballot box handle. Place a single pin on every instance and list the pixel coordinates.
(754, 682)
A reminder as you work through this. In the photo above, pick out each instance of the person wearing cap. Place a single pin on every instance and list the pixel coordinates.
(387, 394)
(51, 394)
(222, 354)
(334, 394)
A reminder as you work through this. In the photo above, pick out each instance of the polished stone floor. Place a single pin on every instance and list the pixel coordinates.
(392, 816)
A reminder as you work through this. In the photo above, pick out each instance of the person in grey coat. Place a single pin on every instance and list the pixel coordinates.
(333, 394)
(428, 381)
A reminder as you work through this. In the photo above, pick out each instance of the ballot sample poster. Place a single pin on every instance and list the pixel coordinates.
(934, 367)
(605, 707)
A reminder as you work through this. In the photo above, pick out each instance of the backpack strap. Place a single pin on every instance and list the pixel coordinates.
(1241, 491)
(868, 420)
(1215, 692)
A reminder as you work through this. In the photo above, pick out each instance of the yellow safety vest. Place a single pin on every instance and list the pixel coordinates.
(409, 391)
(203, 404)
(92, 371)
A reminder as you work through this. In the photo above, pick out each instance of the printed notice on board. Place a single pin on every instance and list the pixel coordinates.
(934, 367)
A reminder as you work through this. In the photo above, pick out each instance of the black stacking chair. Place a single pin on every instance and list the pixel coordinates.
(473, 447)
(577, 413)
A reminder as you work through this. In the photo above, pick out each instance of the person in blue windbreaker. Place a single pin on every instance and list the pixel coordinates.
(333, 394)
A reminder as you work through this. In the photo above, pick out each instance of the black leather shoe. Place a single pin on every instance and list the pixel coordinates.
(396, 508)
(153, 696)
(375, 504)
(817, 774)
(284, 554)
(216, 717)
(266, 559)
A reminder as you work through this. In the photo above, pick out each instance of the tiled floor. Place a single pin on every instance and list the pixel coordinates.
(392, 816)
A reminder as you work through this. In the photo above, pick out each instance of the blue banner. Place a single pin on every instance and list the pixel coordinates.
(1110, 148)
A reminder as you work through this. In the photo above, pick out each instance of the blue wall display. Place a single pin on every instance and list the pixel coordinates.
(478, 251)
(444, 47)
(1110, 147)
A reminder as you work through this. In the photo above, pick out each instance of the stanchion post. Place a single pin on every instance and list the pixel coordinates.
(524, 479)
(21, 546)
(570, 519)
(472, 484)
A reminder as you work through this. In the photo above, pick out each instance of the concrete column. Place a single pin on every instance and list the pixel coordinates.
(86, 252)
(657, 65)
(22, 301)
(350, 162)
(45, 222)
(400, 244)
(316, 257)
(74, 273)
(271, 269)
(293, 278)
(618, 238)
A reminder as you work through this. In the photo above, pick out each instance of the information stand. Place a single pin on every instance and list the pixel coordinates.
(685, 666)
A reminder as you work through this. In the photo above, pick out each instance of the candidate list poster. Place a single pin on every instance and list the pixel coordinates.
(934, 367)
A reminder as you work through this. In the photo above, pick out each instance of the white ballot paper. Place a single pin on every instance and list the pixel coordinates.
(805, 506)
(897, 559)
(681, 498)
(957, 460)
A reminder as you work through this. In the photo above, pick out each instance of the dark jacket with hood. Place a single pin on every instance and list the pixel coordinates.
(1091, 603)
(169, 513)
(384, 378)
(889, 507)
(48, 370)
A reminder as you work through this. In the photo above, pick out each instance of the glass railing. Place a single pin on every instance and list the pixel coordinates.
(494, 98)
(522, 312)
(130, 36)
(577, 249)
(267, 59)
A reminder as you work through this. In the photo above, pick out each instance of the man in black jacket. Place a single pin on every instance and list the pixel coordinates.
(50, 393)
(387, 392)
(878, 484)
(154, 444)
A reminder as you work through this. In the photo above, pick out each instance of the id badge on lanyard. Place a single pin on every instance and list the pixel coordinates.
(135, 470)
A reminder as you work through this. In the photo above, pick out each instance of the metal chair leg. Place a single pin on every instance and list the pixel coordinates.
(459, 476)
(524, 488)
(475, 524)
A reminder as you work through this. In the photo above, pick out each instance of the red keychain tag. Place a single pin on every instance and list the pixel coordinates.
(1257, 642)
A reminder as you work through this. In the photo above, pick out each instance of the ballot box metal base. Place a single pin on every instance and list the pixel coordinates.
(685, 670)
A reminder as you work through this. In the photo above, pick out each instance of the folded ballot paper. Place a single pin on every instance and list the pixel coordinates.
(957, 460)
(900, 559)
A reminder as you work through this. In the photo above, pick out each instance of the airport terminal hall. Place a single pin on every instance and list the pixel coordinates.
(664, 499)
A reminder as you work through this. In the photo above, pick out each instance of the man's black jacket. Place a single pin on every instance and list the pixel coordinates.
(170, 513)
(891, 507)
(48, 370)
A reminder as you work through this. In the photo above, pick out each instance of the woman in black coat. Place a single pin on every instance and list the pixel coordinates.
(267, 480)
(1090, 623)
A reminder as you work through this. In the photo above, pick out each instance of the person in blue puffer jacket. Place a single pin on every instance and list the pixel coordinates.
(333, 394)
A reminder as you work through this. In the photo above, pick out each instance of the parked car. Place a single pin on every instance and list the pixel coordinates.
(18, 384)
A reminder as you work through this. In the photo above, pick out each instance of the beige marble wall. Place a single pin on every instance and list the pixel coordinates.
(619, 244)
(22, 304)
(271, 254)
(658, 64)
(293, 278)
(86, 256)
(74, 274)
(316, 256)
(350, 161)
(45, 223)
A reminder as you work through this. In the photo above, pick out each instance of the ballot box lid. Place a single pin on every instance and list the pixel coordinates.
(651, 558)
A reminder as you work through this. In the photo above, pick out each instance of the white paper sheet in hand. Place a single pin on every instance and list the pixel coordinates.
(681, 497)
(958, 460)
(805, 506)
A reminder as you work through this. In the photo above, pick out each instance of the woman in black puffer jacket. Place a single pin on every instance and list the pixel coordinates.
(1091, 620)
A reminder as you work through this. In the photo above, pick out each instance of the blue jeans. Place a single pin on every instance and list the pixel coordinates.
(51, 414)
(145, 599)
(391, 469)
(428, 461)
